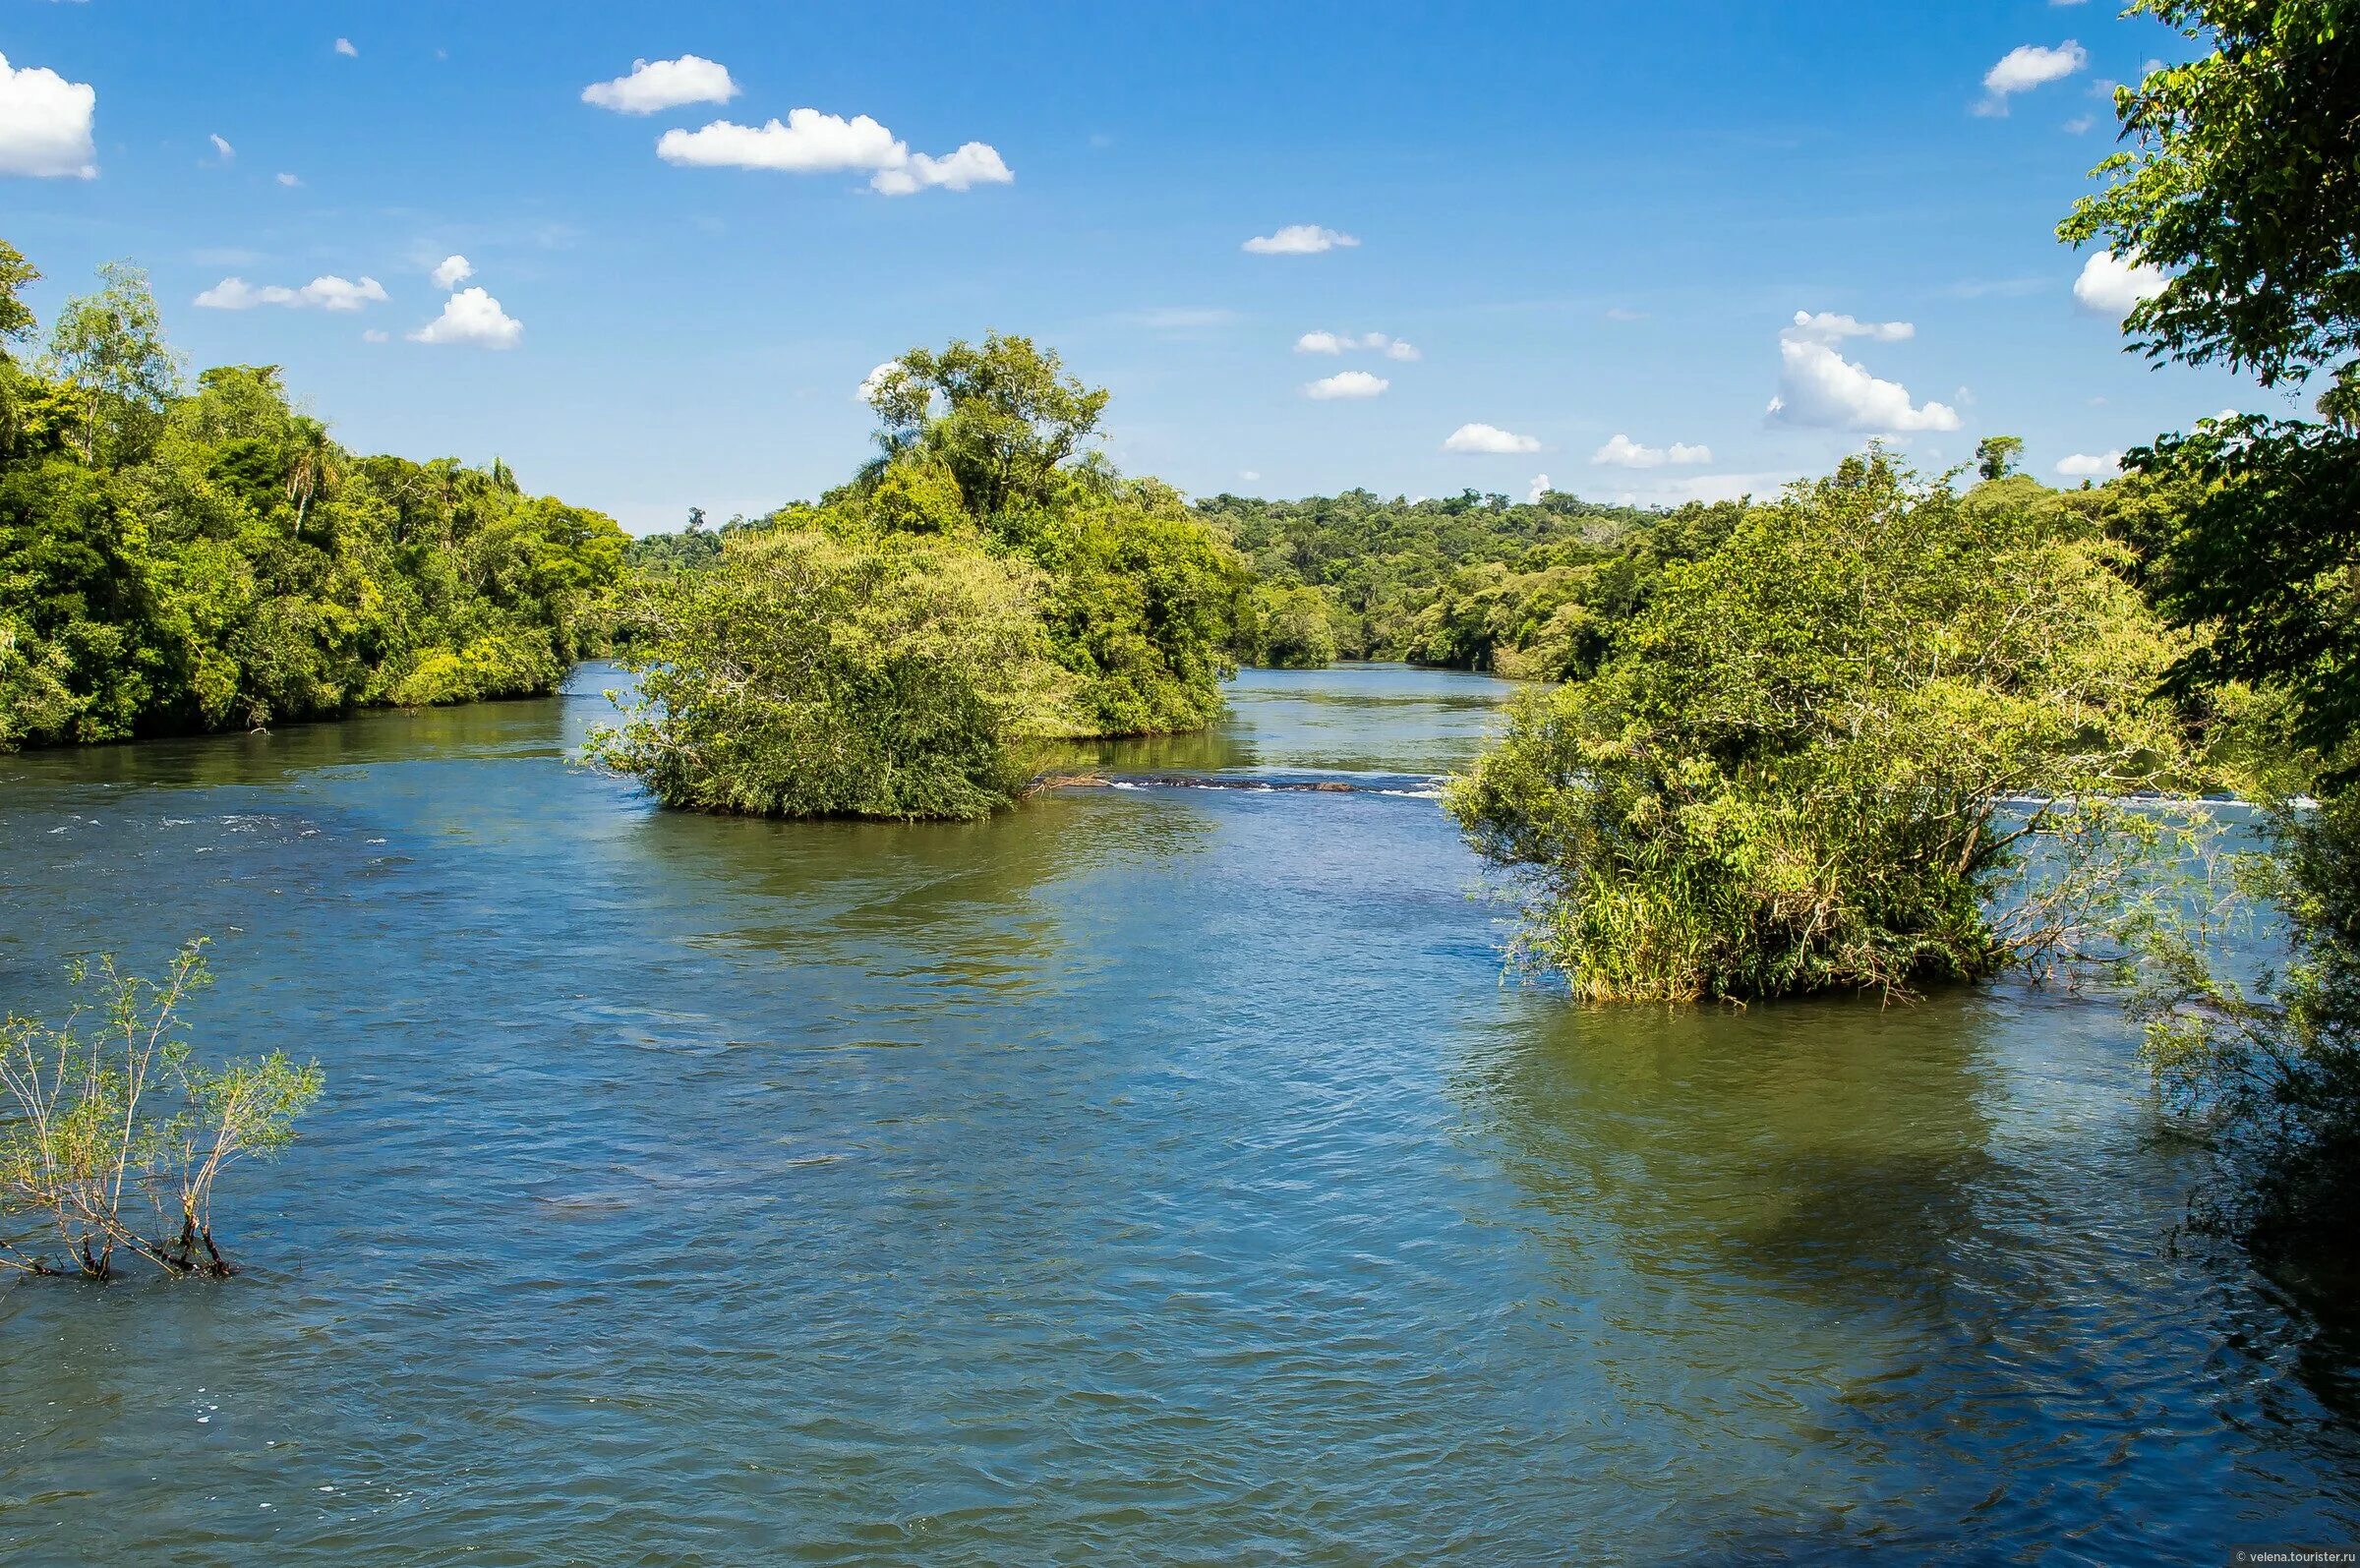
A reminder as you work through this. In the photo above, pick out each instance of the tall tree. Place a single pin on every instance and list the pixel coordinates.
(111, 348)
(1003, 416)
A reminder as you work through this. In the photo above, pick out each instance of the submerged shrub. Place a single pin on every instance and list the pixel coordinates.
(805, 675)
(112, 1134)
(1791, 774)
(2270, 1067)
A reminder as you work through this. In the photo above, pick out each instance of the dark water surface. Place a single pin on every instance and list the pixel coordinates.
(1147, 1175)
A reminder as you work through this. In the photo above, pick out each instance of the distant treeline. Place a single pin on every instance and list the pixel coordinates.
(177, 559)
(1532, 590)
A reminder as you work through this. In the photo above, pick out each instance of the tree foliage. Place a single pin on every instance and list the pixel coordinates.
(805, 675)
(1787, 776)
(1473, 582)
(2242, 181)
(190, 559)
(887, 650)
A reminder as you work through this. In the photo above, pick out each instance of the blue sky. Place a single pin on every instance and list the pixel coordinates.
(1589, 222)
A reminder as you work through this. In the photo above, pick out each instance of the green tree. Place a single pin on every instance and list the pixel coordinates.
(16, 317)
(1002, 417)
(2238, 185)
(113, 1107)
(804, 675)
(1788, 777)
(1995, 456)
(109, 347)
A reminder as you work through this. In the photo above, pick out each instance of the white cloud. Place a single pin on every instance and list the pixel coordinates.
(472, 317)
(1488, 438)
(1827, 327)
(1623, 453)
(45, 123)
(1346, 384)
(2080, 124)
(375, 335)
(874, 380)
(2110, 286)
(452, 271)
(1619, 313)
(2026, 67)
(327, 293)
(1299, 239)
(1247, 475)
(974, 164)
(1538, 489)
(812, 143)
(1392, 348)
(289, 180)
(1818, 389)
(344, 47)
(664, 84)
(2084, 465)
(223, 150)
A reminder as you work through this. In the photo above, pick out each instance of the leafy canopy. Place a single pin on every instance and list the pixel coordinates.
(2242, 181)
(1786, 777)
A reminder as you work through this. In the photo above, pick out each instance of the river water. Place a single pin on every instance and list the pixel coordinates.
(1150, 1175)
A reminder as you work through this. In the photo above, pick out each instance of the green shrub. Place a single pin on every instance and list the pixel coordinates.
(804, 675)
(1789, 775)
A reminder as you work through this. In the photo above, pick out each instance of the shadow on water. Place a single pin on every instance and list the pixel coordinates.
(1907, 1277)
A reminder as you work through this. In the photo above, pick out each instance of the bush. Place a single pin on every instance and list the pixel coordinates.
(104, 1111)
(804, 675)
(1789, 776)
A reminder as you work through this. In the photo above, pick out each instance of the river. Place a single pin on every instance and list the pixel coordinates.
(1148, 1174)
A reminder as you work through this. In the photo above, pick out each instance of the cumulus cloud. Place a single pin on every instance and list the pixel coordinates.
(1346, 384)
(452, 271)
(327, 293)
(2086, 465)
(1827, 327)
(45, 123)
(223, 150)
(1488, 438)
(974, 164)
(2029, 66)
(289, 180)
(2110, 286)
(1299, 239)
(1623, 453)
(664, 84)
(1818, 389)
(344, 47)
(812, 143)
(874, 380)
(1392, 348)
(1538, 489)
(472, 317)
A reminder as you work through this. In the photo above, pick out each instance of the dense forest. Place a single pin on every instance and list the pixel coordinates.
(890, 650)
(177, 558)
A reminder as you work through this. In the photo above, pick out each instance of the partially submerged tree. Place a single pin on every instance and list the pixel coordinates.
(1791, 776)
(803, 676)
(113, 1134)
(2239, 186)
